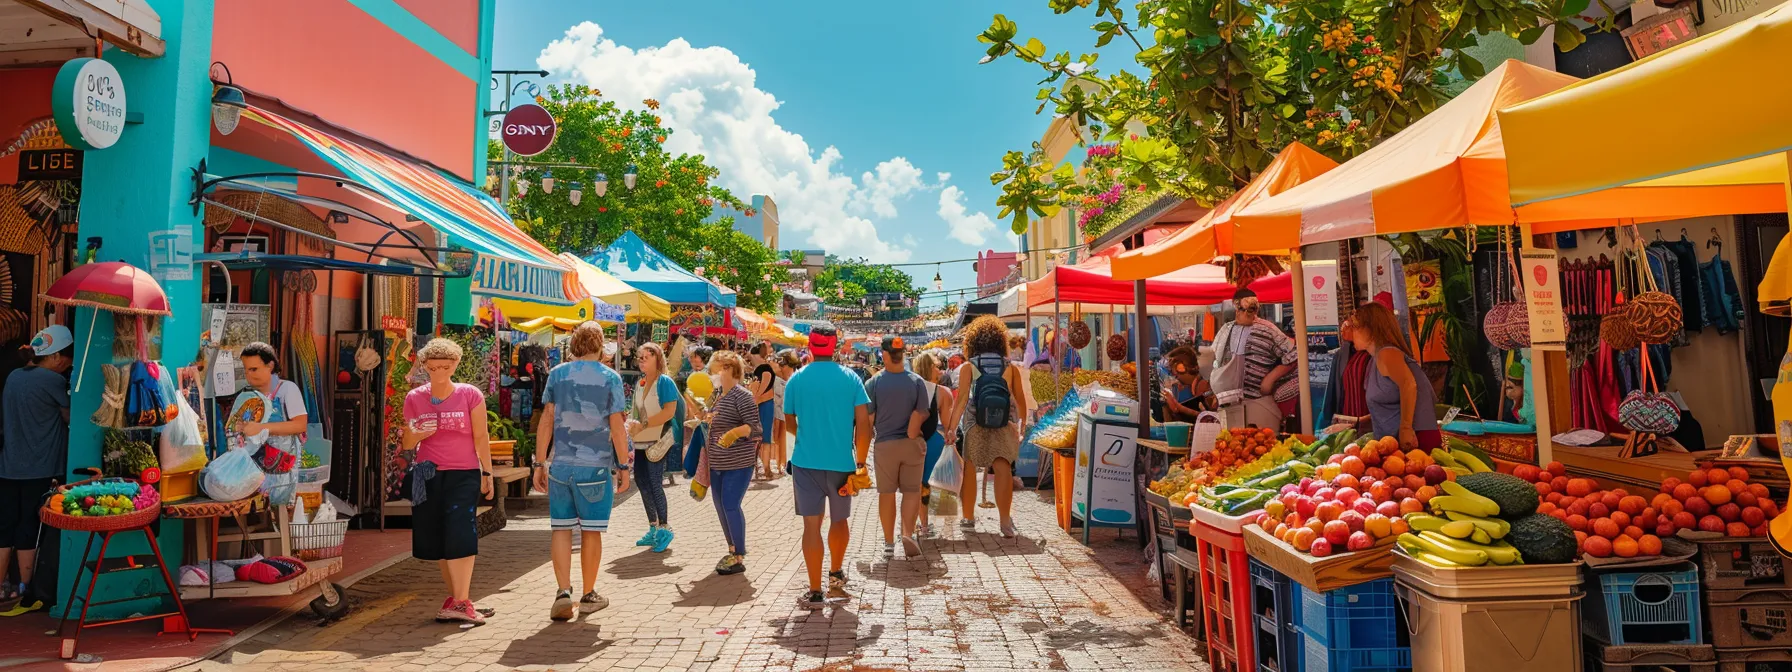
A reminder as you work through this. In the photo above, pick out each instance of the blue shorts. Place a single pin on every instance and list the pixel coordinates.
(579, 498)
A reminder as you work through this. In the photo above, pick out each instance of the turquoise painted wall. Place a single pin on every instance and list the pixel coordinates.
(135, 187)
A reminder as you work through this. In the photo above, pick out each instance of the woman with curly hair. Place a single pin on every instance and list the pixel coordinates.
(989, 403)
(445, 424)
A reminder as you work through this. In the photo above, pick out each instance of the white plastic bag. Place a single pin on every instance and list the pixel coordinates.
(182, 449)
(948, 471)
(233, 476)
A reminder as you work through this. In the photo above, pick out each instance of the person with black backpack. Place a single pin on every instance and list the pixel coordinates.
(989, 404)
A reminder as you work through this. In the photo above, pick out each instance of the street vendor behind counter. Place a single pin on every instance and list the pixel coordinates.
(284, 418)
(1185, 393)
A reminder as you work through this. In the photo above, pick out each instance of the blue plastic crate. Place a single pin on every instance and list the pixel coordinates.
(1319, 658)
(1659, 607)
(1274, 603)
(1362, 616)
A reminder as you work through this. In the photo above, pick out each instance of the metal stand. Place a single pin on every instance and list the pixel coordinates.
(173, 622)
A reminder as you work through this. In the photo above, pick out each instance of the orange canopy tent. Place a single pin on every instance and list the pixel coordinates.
(1448, 170)
(1217, 234)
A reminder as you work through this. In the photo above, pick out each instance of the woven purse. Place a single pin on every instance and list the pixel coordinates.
(1655, 316)
(1117, 348)
(1508, 323)
(1616, 329)
(1646, 409)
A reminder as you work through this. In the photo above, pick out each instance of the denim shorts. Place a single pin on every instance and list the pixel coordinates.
(580, 498)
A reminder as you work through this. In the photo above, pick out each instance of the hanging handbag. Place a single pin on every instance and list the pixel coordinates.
(1508, 323)
(1228, 368)
(144, 403)
(1646, 409)
(1654, 314)
(657, 451)
(1080, 335)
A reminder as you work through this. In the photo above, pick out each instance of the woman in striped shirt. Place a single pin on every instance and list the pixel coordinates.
(734, 435)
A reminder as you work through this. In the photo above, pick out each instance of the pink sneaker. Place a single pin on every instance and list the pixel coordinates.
(462, 611)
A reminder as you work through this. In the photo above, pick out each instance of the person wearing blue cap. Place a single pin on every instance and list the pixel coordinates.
(35, 455)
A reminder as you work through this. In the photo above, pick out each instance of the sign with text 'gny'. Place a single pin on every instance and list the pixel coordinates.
(528, 130)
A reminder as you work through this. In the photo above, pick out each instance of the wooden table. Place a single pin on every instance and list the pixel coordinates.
(1603, 464)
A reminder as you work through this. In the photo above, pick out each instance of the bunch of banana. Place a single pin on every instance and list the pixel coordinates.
(1460, 531)
(1460, 462)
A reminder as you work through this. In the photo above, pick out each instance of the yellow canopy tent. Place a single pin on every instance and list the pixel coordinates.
(1217, 234)
(1448, 170)
(1744, 150)
(518, 312)
(640, 306)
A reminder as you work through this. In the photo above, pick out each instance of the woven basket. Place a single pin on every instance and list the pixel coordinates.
(1508, 326)
(1655, 316)
(1080, 336)
(1616, 329)
(212, 509)
(1117, 348)
(124, 521)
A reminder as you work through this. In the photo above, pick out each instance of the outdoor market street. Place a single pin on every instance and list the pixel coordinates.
(972, 602)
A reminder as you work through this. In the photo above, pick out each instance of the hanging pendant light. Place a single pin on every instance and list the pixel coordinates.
(628, 177)
(575, 195)
(227, 108)
(939, 283)
(547, 184)
(600, 185)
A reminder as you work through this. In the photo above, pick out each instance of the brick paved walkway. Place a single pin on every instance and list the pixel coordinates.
(972, 602)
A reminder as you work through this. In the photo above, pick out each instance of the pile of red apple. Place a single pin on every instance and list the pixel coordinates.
(1618, 523)
(1362, 506)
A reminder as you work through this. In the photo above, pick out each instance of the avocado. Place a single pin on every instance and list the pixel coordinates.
(1515, 497)
(1542, 539)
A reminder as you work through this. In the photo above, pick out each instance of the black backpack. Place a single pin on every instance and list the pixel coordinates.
(991, 401)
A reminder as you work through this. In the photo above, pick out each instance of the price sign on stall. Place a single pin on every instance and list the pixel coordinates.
(1543, 296)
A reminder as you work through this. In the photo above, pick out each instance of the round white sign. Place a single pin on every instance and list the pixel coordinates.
(89, 103)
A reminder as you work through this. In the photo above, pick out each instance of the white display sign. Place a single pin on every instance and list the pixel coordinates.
(1104, 492)
(1321, 291)
(1543, 296)
(88, 102)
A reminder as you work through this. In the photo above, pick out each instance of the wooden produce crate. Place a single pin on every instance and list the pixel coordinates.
(1319, 574)
(1650, 657)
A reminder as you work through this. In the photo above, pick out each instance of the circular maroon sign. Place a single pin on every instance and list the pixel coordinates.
(528, 130)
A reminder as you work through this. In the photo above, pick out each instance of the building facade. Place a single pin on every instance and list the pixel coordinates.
(759, 221)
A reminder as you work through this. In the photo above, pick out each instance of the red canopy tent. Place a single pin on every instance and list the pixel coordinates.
(1092, 281)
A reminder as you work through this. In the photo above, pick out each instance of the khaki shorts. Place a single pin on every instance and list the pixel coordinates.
(899, 464)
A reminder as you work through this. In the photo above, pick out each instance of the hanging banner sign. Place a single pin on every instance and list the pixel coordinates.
(1543, 296)
(1321, 291)
(88, 103)
(496, 276)
(528, 130)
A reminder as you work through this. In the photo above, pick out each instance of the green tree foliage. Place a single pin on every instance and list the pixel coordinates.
(671, 198)
(1223, 85)
(848, 280)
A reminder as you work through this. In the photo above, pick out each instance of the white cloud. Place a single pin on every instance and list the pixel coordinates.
(710, 99)
(879, 189)
(966, 227)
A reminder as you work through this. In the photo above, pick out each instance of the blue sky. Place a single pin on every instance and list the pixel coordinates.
(870, 123)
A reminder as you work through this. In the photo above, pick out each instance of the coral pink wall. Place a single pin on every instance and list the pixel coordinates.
(457, 20)
(27, 99)
(330, 59)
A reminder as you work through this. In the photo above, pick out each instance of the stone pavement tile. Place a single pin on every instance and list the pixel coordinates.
(971, 601)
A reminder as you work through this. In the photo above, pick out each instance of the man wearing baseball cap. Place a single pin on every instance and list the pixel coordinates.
(825, 405)
(35, 456)
(898, 409)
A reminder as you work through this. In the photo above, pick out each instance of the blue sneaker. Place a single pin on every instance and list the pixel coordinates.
(664, 541)
(649, 539)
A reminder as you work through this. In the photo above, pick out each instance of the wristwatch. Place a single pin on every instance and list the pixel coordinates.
(483, 472)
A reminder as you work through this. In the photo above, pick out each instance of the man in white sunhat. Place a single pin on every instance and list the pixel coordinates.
(35, 456)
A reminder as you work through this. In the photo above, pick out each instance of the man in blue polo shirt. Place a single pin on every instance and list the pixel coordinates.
(826, 406)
